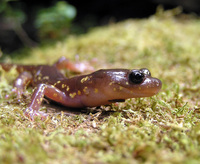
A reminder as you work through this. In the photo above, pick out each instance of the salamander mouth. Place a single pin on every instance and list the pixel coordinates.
(149, 87)
(116, 100)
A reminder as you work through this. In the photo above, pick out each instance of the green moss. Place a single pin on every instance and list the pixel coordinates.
(161, 129)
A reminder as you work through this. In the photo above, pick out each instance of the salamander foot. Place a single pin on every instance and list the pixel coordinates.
(32, 114)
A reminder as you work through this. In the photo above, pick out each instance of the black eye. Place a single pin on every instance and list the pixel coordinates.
(136, 77)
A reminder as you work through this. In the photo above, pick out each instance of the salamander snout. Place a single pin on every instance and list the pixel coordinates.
(138, 76)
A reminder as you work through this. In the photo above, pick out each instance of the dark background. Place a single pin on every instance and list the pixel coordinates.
(90, 13)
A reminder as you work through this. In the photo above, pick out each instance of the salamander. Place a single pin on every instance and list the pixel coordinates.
(101, 87)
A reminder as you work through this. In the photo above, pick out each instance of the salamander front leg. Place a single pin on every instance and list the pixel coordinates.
(43, 90)
(20, 84)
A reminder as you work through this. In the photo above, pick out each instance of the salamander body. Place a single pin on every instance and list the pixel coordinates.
(101, 87)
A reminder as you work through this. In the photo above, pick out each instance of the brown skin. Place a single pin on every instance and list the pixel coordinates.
(102, 87)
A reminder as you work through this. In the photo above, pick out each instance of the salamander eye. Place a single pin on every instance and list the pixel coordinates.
(136, 76)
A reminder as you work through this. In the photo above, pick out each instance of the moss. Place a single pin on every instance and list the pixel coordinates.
(162, 129)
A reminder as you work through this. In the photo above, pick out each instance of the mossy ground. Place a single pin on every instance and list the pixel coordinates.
(161, 129)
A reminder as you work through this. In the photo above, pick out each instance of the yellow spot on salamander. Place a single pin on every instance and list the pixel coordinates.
(126, 83)
(67, 89)
(38, 101)
(114, 89)
(86, 91)
(120, 88)
(96, 90)
(79, 92)
(63, 85)
(139, 88)
(55, 95)
(52, 86)
(111, 83)
(84, 79)
(57, 83)
(46, 78)
(72, 95)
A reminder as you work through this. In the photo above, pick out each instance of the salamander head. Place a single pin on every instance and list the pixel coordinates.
(134, 83)
(115, 85)
(143, 84)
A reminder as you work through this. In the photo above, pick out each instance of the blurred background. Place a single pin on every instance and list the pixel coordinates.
(29, 23)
